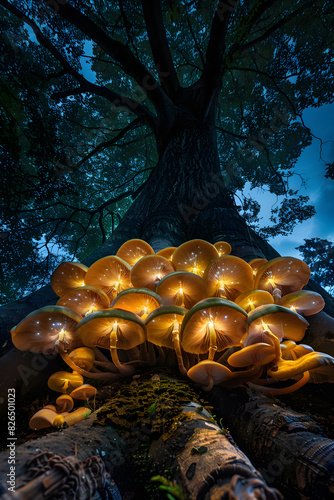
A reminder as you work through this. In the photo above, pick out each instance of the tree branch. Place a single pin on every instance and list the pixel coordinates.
(210, 80)
(118, 51)
(85, 86)
(160, 48)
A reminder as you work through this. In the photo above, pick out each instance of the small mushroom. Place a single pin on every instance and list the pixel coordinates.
(209, 373)
(251, 299)
(110, 274)
(291, 350)
(227, 277)
(83, 357)
(133, 250)
(181, 288)
(149, 270)
(77, 415)
(113, 329)
(85, 300)
(64, 403)
(45, 418)
(163, 329)
(140, 301)
(223, 248)
(67, 276)
(65, 382)
(84, 391)
(256, 354)
(256, 264)
(194, 256)
(167, 252)
(303, 302)
(282, 275)
(212, 325)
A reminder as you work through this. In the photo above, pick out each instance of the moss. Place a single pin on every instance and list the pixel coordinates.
(152, 407)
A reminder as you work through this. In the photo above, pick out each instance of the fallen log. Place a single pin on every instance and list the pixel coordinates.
(291, 451)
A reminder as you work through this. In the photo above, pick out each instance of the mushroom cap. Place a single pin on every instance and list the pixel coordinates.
(167, 252)
(42, 330)
(282, 322)
(303, 302)
(285, 369)
(291, 350)
(110, 274)
(42, 419)
(288, 274)
(191, 285)
(65, 382)
(251, 299)
(228, 276)
(83, 357)
(201, 372)
(228, 320)
(140, 301)
(223, 248)
(194, 256)
(64, 403)
(256, 264)
(95, 329)
(133, 250)
(84, 300)
(256, 354)
(149, 270)
(68, 275)
(160, 324)
(84, 391)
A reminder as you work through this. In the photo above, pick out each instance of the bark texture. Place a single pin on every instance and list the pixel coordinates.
(292, 452)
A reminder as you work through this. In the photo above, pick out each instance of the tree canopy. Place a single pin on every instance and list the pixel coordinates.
(88, 93)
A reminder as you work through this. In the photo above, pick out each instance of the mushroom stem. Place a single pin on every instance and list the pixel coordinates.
(103, 361)
(210, 329)
(101, 376)
(243, 377)
(277, 294)
(123, 370)
(276, 343)
(177, 347)
(208, 387)
(272, 391)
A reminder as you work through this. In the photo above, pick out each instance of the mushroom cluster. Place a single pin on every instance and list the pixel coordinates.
(196, 308)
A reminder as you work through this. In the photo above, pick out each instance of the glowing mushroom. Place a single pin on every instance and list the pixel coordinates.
(163, 329)
(45, 418)
(140, 301)
(148, 271)
(110, 274)
(282, 275)
(67, 276)
(223, 248)
(84, 392)
(212, 325)
(303, 302)
(227, 277)
(85, 300)
(167, 252)
(256, 264)
(291, 350)
(251, 299)
(64, 403)
(257, 354)
(194, 256)
(274, 320)
(181, 288)
(83, 357)
(113, 329)
(65, 382)
(209, 373)
(133, 250)
(47, 330)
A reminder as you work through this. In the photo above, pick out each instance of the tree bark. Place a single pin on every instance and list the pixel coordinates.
(292, 452)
